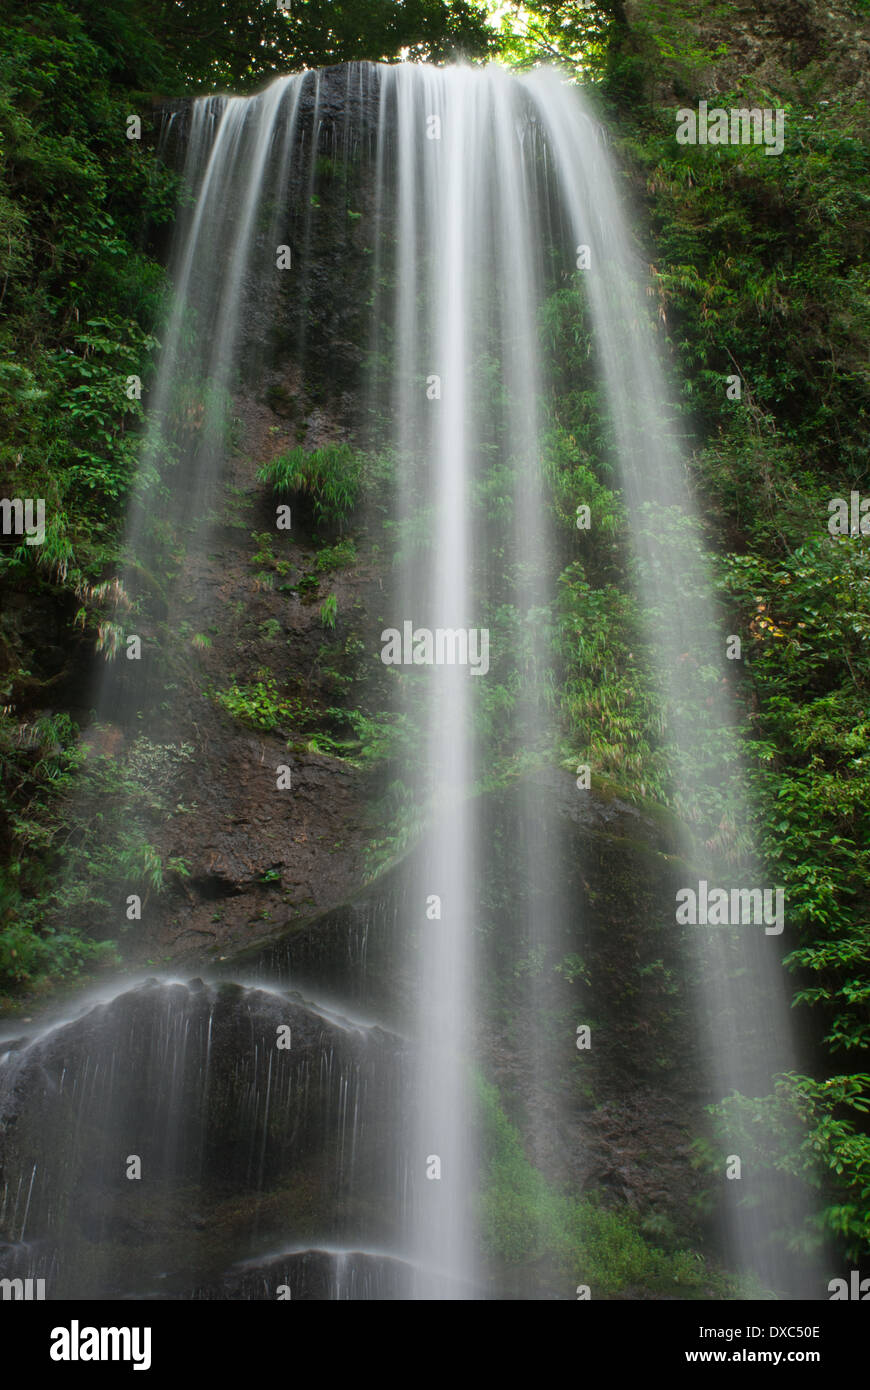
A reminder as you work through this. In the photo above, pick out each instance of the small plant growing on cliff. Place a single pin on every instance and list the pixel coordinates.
(259, 705)
(329, 611)
(330, 477)
(265, 558)
(335, 557)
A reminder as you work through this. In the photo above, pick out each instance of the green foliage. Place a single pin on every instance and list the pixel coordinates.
(77, 839)
(764, 273)
(812, 1134)
(401, 819)
(360, 739)
(265, 558)
(329, 611)
(330, 478)
(79, 295)
(809, 657)
(610, 706)
(260, 704)
(760, 271)
(560, 30)
(241, 42)
(364, 739)
(609, 699)
(525, 1219)
(573, 968)
(335, 557)
(574, 482)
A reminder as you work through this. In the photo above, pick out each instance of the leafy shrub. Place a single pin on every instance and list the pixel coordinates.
(76, 838)
(329, 611)
(335, 557)
(524, 1218)
(330, 478)
(260, 705)
(808, 1134)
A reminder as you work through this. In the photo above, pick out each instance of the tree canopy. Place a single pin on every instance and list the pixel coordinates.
(190, 44)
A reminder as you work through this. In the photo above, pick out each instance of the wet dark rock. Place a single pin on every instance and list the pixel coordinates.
(344, 97)
(228, 1122)
(309, 1275)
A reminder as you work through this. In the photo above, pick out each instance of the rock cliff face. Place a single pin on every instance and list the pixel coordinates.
(177, 1129)
(785, 48)
(253, 859)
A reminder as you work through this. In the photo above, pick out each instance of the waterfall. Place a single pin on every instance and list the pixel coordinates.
(477, 194)
(748, 1030)
(470, 147)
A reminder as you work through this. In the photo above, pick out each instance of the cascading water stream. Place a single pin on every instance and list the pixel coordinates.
(748, 1029)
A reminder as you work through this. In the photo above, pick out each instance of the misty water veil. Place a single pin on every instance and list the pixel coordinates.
(306, 1131)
